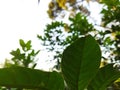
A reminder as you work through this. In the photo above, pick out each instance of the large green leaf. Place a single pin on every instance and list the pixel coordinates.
(20, 77)
(104, 77)
(80, 62)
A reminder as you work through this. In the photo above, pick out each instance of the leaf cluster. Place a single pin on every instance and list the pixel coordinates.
(107, 34)
(25, 55)
(58, 35)
(80, 71)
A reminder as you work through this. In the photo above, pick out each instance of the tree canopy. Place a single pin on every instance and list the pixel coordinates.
(60, 34)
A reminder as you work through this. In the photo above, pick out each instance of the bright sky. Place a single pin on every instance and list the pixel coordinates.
(24, 19)
(21, 19)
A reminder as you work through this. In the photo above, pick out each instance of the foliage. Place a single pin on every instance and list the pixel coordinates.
(59, 8)
(21, 77)
(76, 75)
(107, 33)
(24, 57)
(100, 81)
(78, 55)
(59, 35)
(111, 35)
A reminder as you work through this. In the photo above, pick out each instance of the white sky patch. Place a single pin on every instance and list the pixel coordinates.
(21, 19)
(95, 10)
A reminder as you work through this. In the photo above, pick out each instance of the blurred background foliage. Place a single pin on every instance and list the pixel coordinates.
(23, 56)
(59, 34)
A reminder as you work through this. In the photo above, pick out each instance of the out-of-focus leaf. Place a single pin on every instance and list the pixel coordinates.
(19, 77)
(15, 53)
(22, 44)
(36, 52)
(62, 3)
(28, 45)
(80, 62)
(105, 76)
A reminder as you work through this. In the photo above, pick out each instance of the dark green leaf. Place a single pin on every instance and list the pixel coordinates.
(34, 65)
(80, 62)
(20, 77)
(104, 77)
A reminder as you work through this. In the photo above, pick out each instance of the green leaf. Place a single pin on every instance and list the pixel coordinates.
(19, 77)
(80, 62)
(36, 52)
(107, 41)
(104, 77)
(28, 45)
(22, 44)
(15, 53)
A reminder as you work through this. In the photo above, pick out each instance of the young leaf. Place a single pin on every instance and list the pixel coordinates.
(105, 76)
(15, 53)
(28, 45)
(80, 62)
(22, 44)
